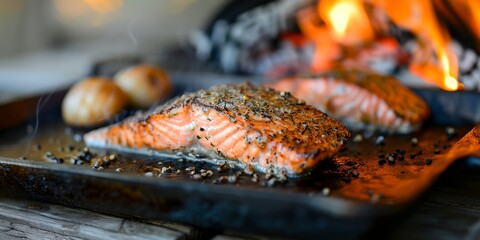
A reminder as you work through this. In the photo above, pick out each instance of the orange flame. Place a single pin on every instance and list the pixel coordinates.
(450, 82)
(347, 24)
(326, 50)
(418, 16)
(347, 19)
(467, 12)
(473, 9)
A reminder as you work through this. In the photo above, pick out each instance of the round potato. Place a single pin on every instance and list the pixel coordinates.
(92, 101)
(144, 85)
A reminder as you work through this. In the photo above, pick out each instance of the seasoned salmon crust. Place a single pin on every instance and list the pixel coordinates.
(255, 126)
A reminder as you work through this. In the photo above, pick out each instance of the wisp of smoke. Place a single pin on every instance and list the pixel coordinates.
(130, 32)
(27, 140)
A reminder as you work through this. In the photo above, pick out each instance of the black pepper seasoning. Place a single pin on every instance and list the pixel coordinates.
(414, 142)
(77, 161)
(272, 182)
(450, 133)
(254, 178)
(326, 191)
(380, 141)
(232, 178)
(351, 163)
(391, 159)
(196, 176)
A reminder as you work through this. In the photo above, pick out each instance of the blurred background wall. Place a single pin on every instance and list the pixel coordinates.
(144, 25)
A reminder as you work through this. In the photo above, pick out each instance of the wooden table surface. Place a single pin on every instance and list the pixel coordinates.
(450, 210)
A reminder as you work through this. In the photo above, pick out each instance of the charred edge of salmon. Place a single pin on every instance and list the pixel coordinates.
(187, 153)
(290, 135)
(194, 156)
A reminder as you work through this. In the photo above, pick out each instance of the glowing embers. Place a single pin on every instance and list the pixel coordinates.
(338, 27)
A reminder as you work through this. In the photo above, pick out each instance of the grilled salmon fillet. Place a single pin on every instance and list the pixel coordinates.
(254, 126)
(361, 100)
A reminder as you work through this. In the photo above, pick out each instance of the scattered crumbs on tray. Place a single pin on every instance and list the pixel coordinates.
(362, 170)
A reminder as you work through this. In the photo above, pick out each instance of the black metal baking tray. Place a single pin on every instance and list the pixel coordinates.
(360, 190)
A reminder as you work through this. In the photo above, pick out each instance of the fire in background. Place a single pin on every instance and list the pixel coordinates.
(419, 41)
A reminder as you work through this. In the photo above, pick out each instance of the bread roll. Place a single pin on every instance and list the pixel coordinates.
(144, 85)
(92, 101)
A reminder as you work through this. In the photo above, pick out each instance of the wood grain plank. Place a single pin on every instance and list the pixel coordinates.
(11, 230)
(29, 220)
